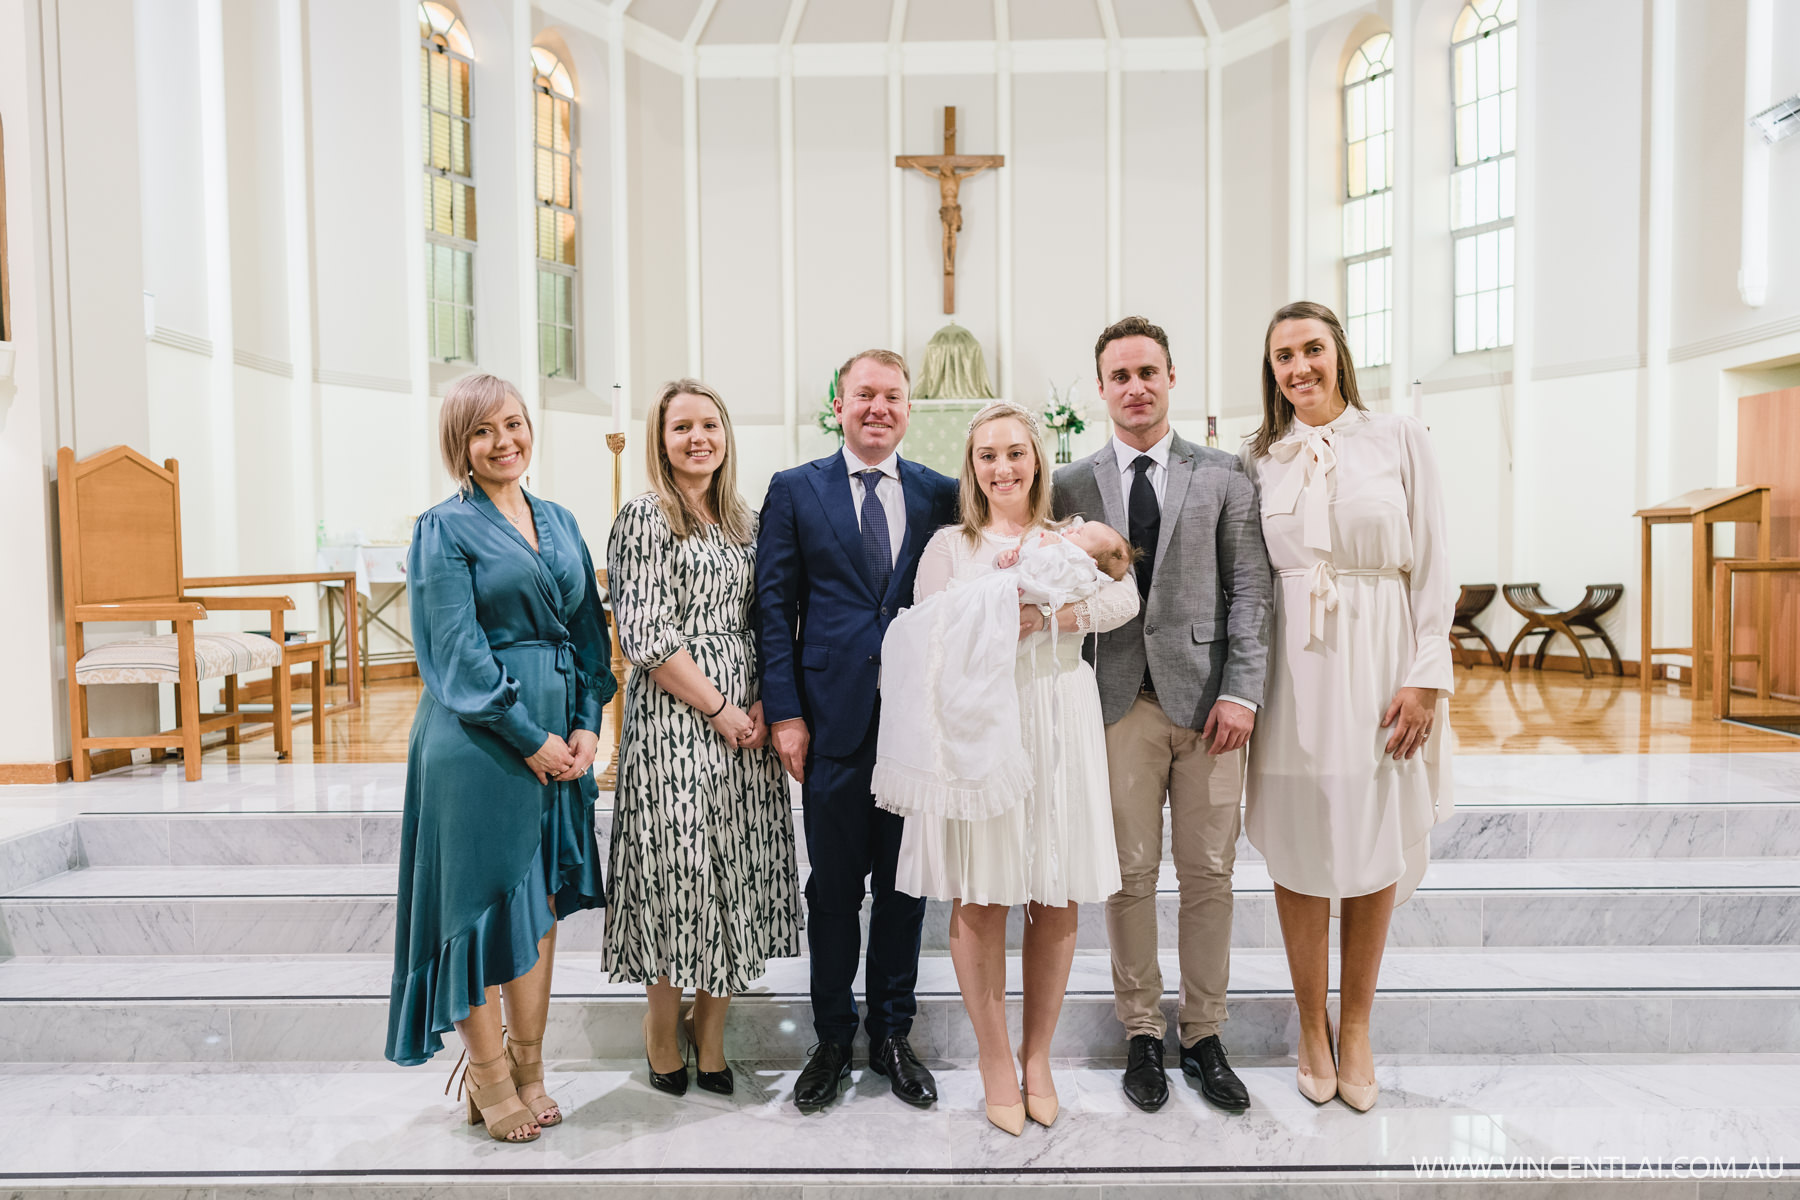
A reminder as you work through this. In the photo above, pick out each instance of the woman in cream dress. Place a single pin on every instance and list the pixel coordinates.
(1054, 849)
(1349, 768)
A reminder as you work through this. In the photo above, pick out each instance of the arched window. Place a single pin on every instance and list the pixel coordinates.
(553, 115)
(1484, 54)
(445, 59)
(1369, 200)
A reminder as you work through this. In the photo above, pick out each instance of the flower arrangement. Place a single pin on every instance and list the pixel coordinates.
(1062, 413)
(827, 417)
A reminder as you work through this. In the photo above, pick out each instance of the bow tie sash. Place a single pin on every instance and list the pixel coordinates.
(1309, 459)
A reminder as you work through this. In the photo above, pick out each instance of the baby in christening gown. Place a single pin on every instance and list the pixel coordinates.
(950, 742)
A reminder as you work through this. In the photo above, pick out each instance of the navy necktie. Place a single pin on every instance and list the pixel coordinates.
(878, 553)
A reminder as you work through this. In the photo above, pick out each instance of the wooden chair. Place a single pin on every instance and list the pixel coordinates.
(1471, 603)
(121, 561)
(1545, 618)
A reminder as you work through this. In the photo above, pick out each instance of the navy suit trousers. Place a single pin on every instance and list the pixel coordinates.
(849, 840)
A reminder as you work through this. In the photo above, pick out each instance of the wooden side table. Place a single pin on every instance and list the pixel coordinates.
(1702, 509)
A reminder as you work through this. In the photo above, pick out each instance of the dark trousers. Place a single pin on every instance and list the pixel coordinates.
(848, 840)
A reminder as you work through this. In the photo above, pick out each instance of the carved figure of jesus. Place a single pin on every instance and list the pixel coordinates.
(950, 169)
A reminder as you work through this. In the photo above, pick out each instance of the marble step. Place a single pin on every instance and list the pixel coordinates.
(1469, 903)
(256, 1131)
(1565, 831)
(333, 1008)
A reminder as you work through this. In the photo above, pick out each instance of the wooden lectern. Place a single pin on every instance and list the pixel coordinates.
(1702, 509)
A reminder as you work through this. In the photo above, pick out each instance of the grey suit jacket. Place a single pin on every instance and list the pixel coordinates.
(1206, 627)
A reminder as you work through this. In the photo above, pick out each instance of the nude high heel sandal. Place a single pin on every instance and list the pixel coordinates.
(1009, 1117)
(497, 1104)
(524, 1075)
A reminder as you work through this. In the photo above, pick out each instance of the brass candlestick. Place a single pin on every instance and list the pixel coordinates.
(609, 778)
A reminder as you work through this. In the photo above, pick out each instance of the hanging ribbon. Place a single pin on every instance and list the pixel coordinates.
(1309, 458)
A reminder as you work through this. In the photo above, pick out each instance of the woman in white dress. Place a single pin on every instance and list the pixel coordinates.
(1350, 765)
(1054, 849)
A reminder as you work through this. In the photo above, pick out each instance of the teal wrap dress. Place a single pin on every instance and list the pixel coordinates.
(512, 646)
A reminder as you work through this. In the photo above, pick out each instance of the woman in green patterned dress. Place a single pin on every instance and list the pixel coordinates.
(703, 883)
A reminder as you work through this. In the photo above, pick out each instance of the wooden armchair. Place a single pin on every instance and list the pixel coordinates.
(121, 561)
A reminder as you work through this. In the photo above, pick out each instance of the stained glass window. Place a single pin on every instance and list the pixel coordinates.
(1369, 201)
(1484, 63)
(554, 195)
(446, 61)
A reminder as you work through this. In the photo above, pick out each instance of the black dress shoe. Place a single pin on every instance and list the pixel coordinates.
(718, 1082)
(1205, 1061)
(673, 1082)
(1145, 1083)
(894, 1058)
(818, 1082)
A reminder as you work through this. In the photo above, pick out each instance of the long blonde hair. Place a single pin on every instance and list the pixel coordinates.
(734, 517)
(973, 502)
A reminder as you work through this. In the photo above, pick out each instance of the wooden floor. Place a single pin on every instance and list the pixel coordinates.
(1534, 712)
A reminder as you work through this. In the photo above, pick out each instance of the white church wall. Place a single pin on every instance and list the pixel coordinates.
(1255, 218)
(841, 173)
(658, 243)
(1059, 233)
(173, 202)
(977, 246)
(740, 250)
(258, 195)
(1163, 275)
(31, 730)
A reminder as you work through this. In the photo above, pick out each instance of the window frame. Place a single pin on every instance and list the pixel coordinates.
(1499, 18)
(543, 84)
(433, 40)
(1381, 257)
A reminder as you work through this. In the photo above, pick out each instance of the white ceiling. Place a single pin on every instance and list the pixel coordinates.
(759, 22)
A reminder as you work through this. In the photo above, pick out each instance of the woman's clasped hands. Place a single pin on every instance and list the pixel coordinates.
(565, 761)
(743, 730)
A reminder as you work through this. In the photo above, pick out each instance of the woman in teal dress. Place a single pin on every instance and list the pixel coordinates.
(497, 839)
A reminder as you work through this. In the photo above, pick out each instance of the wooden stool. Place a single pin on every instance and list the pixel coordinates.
(1543, 617)
(293, 654)
(1471, 603)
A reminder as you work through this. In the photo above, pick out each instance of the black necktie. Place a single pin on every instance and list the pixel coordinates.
(878, 552)
(1146, 522)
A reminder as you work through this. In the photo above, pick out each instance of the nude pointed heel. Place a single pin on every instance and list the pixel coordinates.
(1360, 1096)
(497, 1105)
(1008, 1117)
(1320, 1089)
(1042, 1109)
(525, 1074)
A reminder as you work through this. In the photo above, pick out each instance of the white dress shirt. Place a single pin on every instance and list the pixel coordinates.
(1159, 478)
(887, 490)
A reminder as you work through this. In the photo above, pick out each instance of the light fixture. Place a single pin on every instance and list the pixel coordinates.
(1778, 120)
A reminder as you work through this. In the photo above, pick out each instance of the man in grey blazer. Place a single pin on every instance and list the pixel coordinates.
(1179, 689)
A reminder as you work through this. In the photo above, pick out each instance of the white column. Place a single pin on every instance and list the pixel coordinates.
(1115, 166)
(790, 270)
(304, 434)
(618, 137)
(1525, 425)
(1400, 302)
(690, 172)
(896, 128)
(1296, 136)
(1003, 121)
(519, 99)
(216, 193)
(422, 460)
(1759, 55)
(1215, 226)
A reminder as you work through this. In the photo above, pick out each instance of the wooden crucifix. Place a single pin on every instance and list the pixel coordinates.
(950, 169)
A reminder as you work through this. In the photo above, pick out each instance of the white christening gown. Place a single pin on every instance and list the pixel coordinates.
(1056, 846)
(1353, 516)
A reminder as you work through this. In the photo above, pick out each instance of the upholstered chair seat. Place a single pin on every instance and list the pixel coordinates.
(158, 659)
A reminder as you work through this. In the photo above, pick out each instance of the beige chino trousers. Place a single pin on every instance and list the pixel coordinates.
(1150, 758)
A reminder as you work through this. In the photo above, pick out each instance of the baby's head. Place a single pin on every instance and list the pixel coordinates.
(1105, 545)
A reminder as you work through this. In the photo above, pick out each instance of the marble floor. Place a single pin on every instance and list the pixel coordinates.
(1604, 961)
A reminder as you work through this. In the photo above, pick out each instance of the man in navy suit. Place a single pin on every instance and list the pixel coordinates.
(835, 560)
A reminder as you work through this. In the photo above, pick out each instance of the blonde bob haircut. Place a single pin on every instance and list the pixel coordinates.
(973, 502)
(733, 515)
(472, 400)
